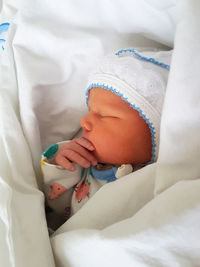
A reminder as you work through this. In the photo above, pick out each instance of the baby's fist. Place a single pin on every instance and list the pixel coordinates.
(78, 151)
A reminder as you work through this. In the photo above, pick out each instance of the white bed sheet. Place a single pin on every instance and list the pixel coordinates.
(49, 50)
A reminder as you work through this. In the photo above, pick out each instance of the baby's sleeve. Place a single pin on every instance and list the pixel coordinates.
(58, 182)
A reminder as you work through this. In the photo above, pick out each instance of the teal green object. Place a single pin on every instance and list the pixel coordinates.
(50, 151)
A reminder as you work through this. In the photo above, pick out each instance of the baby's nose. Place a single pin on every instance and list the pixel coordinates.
(86, 124)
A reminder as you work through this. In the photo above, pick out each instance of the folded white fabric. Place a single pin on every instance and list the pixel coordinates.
(140, 78)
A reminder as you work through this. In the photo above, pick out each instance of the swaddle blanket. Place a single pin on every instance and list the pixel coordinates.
(152, 218)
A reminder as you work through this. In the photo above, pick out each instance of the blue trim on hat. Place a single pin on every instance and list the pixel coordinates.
(152, 129)
(149, 59)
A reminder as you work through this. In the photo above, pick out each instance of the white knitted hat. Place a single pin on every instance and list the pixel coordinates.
(140, 78)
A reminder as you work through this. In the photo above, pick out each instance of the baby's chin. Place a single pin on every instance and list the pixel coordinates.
(101, 158)
(106, 159)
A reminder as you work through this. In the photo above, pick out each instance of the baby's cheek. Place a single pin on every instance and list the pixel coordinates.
(107, 150)
(115, 147)
(107, 141)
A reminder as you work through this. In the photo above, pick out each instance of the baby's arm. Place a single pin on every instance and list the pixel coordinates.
(60, 175)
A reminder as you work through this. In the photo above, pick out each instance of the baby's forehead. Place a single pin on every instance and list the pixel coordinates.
(102, 97)
(98, 94)
(99, 91)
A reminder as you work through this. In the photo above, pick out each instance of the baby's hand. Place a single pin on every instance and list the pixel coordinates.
(79, 151)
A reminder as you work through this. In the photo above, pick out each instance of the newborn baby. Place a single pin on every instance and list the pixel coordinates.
(120, 134)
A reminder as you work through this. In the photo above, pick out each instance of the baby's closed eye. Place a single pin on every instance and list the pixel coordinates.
(108, 116)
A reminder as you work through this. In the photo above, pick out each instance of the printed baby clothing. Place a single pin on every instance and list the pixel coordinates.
(66, 192)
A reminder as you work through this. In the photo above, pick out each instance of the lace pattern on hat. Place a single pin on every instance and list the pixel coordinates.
(145, 80)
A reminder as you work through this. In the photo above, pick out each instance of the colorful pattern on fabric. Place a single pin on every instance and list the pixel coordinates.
(82, 189)
(56, 191)
(43, 161)
(3, 34)
(51, 151)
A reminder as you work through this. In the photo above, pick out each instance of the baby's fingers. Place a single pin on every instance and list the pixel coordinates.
(81, 151)
(64, 162)
(85, 143)
(68, 156)
(74, 156)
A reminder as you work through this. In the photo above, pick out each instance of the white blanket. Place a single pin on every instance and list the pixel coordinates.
(148, 218)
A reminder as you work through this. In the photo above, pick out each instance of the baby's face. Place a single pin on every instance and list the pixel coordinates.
(117, 131)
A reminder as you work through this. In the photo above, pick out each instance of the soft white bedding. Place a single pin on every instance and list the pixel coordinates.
(49, 50)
